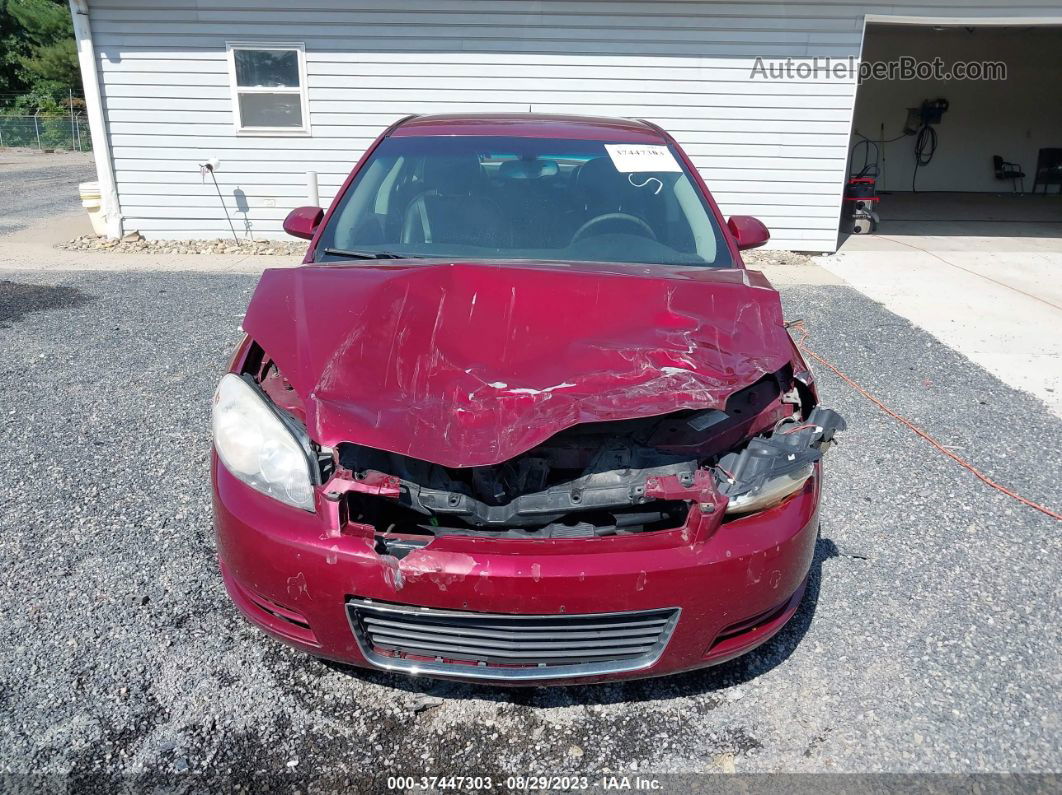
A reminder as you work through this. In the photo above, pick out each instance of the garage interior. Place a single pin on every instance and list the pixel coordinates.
(960, 187)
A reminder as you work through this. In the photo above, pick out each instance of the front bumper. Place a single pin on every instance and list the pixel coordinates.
(733, 584)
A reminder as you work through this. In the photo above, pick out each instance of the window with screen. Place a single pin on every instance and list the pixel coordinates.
(269, 88)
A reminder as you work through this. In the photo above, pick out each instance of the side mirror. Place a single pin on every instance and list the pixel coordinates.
(303, 222)
(748, 232)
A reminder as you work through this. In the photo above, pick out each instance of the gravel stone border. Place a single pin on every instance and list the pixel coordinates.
(134, 243)
(761, 257)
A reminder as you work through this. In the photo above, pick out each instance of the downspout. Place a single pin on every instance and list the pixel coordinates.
(101, 147)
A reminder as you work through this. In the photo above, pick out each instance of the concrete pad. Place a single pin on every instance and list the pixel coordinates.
(57, 229)
(997, 301)
(787, 275)
(1012, 211)
(886, 240)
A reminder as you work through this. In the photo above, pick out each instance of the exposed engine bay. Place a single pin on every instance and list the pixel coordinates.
(598, 479)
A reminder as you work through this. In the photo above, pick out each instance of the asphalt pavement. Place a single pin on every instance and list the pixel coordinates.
(928, 642)
(36, 185)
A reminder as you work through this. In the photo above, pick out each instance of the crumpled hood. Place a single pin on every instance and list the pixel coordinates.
(472, 364)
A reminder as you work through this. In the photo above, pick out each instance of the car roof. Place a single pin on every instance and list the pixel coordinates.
(530, 125)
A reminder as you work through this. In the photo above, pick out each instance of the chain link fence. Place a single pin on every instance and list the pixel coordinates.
(45, 131)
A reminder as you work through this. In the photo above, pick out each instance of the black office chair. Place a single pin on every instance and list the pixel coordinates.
(1048, 169)
(1007, 170)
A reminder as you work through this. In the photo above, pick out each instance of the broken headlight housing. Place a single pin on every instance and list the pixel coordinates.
(259, 445)
(770, 468)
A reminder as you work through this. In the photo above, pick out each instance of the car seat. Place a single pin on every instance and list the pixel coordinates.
(453, 206)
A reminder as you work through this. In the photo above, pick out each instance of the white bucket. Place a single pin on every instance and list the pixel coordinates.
(92, 201)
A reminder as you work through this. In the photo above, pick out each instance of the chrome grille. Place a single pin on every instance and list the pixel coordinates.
(507, 646)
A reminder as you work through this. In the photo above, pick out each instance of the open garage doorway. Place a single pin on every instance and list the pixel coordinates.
(967, 157)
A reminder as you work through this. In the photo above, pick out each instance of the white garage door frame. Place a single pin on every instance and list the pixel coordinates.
(929, 22)
(953, 21)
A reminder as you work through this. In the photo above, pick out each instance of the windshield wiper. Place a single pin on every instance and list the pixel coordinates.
(344, 252)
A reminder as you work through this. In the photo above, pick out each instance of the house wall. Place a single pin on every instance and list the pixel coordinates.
(1013, 118)
(774, 149)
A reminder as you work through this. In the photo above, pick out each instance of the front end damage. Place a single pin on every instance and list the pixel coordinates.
(597, 479)
(631, 490)
(421, 568)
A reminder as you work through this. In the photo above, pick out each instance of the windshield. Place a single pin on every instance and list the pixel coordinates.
(480, 197)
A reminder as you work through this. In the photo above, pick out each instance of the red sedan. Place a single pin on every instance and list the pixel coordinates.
(521, 416)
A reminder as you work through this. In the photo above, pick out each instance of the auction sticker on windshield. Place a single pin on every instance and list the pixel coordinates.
(632, 158)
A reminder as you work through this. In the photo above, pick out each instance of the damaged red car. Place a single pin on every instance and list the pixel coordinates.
(521, 416)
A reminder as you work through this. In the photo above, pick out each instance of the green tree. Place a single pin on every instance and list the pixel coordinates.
(13, 48)
(38, 56)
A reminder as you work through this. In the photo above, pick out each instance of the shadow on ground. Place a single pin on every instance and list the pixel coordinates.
(18, 300)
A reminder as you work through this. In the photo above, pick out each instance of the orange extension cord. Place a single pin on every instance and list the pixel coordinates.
(903, 420)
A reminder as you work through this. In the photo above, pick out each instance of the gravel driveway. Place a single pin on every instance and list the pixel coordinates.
(36, 185)
(929, 640)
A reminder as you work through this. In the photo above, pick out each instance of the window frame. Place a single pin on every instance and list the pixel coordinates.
(236, 90)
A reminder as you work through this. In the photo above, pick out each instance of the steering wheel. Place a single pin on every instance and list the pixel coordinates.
(625, 217)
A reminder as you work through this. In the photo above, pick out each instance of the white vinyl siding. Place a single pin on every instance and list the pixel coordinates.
(773, 149)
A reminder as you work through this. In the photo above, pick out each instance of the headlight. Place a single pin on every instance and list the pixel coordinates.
(770, 491)
(257, 447)
(773, 466)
